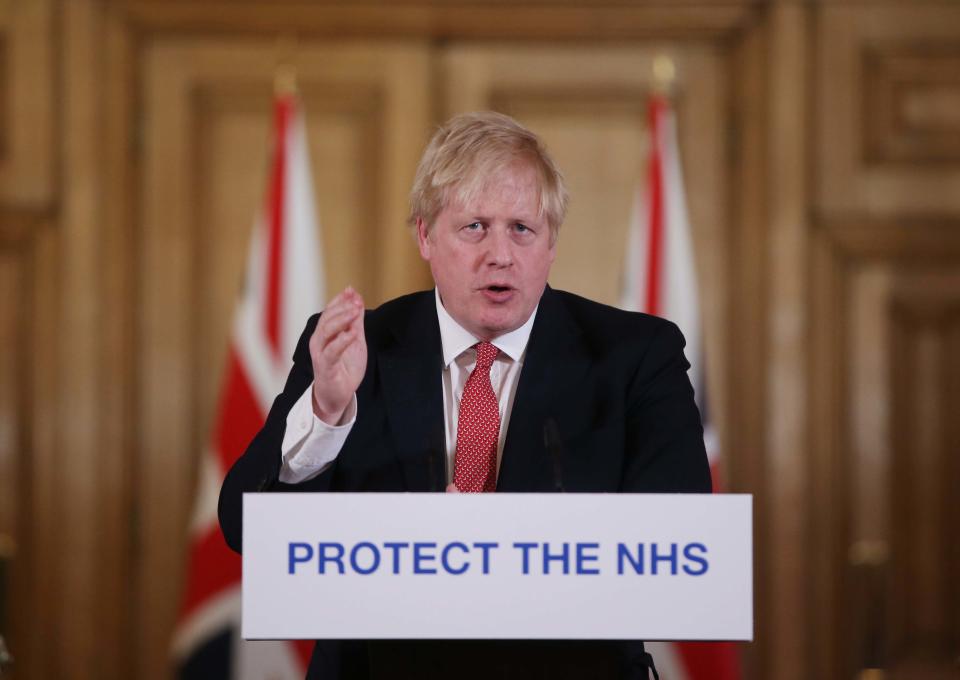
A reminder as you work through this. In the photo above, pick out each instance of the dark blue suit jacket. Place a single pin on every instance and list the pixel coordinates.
(614, 382)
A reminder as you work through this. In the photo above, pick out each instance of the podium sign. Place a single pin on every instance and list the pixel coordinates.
(522, 566)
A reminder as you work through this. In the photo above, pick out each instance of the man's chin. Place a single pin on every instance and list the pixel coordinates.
(493, 327)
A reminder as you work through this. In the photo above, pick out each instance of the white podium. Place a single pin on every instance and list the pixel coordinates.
(497, 566)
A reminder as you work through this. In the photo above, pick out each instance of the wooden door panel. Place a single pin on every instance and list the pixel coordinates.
(27, 109)
(883, 456)
(888, 86)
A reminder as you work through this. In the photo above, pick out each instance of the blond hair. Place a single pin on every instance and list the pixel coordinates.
(469, 150)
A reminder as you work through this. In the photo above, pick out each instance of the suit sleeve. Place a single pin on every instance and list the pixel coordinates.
(258, 469)
(663, 430)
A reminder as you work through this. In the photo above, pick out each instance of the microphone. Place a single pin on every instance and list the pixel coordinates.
(554, 446)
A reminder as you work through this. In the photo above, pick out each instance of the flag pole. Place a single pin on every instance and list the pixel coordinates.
(664, 75)
(285, 71)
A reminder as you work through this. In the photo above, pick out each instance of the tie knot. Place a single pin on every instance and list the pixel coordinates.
(486, 353)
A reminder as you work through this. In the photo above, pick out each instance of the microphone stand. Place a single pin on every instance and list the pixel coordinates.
(5, 659)
(554, 445)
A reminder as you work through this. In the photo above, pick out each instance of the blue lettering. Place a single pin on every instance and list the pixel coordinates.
(583, 557)
(656, 558)
(526, 548)
(419, 558)
(292, 558)
(563, 557)
(623, 552)
(486, 548)
(322, 558)
(374, 562)
(395, 548)
(688, 553)
(445, 558)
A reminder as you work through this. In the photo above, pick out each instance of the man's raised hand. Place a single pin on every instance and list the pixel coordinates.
(338, 350)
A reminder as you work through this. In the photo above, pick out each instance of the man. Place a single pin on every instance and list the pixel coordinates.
(493, 381)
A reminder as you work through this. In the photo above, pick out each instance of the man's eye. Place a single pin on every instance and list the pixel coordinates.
(476, 226)
(522, 228)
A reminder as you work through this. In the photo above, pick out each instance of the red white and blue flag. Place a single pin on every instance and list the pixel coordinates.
(660, 278)
(283, 285)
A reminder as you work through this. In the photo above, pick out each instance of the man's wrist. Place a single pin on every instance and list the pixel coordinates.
(333, 418)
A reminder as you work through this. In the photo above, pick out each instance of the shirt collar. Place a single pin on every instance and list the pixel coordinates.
(456, 339)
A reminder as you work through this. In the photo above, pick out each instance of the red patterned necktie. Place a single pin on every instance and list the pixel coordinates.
(478, 427)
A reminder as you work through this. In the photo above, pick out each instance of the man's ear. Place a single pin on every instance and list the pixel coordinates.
(423, 239)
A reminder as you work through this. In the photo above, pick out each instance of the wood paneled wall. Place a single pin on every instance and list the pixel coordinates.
(821, 145)
(885, 276)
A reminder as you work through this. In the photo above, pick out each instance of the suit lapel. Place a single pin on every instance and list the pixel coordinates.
(410, 369)
(411, 373)
(555, 361)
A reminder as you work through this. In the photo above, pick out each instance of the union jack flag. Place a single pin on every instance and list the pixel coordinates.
(283, 286)
(660, 278)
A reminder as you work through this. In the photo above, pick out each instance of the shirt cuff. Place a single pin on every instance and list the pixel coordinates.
(310, 446)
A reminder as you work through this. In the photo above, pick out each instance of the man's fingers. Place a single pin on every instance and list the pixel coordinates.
(340, 325)
(338, 300)
(345, 299)
(336, 324)
(347, 296)
(336, 347)
(336, 373)
(357, 323)
(335, 309)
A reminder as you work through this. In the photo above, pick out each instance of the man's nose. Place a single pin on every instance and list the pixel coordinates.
(499, 248)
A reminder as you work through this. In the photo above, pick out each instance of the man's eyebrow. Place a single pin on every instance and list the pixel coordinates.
(526, 219)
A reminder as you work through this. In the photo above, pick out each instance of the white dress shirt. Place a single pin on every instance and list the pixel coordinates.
(310, 445)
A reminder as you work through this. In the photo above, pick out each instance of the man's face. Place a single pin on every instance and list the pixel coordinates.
(490, 259)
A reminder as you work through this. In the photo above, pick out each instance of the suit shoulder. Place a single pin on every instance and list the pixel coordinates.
(598, 320)
(395, 313)
(398, 308)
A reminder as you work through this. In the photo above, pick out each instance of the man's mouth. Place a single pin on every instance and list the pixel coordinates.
(498, 292)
